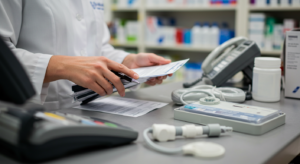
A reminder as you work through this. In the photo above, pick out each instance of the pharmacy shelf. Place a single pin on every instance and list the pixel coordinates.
(242, 10)
(125, 45)
(271, 52)
(191, 8)
(179, 48)
(124, 9)
(202, 49)
(274, 8)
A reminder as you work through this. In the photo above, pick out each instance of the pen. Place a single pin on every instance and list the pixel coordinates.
(90, 99)
(77, 88)
(125, 77)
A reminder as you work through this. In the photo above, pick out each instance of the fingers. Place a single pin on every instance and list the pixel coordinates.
(122, 69)
(158, 59)
(108, 87)
(97, 88)
(157, 80)
(116, 82)
(151, 82)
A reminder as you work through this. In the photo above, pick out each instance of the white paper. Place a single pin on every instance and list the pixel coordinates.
(161, 70)
(122, 106)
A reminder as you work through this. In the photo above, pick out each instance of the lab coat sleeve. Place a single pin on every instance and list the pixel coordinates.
(108, 50)
(35, 64)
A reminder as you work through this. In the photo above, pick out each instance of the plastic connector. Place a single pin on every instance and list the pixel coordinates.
(163, 133)
(191, 131)
(215, 130)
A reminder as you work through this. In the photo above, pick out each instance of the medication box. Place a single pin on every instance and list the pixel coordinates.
(292, 64)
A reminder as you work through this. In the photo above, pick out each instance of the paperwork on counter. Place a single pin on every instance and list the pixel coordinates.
(122, 106)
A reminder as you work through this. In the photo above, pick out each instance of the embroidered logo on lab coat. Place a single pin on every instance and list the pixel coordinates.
(97, 5)
(296, 90)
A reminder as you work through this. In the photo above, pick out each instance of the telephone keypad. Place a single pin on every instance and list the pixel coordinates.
(217, 69)
(235, 54)
(248, 43)
(212, 74)
(229, 58)
(221, 65)
(224, 63)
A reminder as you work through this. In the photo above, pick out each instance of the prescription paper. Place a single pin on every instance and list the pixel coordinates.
(161, 70)
(122, 106)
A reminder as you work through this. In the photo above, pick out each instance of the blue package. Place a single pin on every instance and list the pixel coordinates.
(187, 38)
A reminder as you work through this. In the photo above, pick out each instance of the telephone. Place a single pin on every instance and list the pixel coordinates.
(228, 59)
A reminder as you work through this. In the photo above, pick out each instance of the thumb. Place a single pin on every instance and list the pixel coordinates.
(155, 59)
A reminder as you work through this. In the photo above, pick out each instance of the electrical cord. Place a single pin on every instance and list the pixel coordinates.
(213, 88)
(192, 91)
(159, 148)
(184, 96)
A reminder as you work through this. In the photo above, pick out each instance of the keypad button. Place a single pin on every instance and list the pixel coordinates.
(111, 125)
(221, 65)
(235, 54)
(99, 123)
(230, 58)
(224, 63)
(87, 122)
(248, 43)
(217, 69)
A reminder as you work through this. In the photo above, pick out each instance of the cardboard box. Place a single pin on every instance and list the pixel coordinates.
(292, 64)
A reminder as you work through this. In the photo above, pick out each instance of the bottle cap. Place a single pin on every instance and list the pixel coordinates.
(172, 22)
(215, 24)
(197, 24)
(225, 25)
(206, 24)
(267, 62)
(159, 22)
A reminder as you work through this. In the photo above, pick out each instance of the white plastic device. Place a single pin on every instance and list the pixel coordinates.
(186, 96)
(163, 133)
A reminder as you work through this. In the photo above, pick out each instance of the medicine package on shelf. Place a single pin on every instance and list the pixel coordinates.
(233, 111)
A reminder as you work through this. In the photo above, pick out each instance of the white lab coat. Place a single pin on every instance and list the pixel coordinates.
(35, 30)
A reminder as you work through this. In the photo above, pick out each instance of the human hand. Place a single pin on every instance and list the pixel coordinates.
(146, 59)
(89, 72)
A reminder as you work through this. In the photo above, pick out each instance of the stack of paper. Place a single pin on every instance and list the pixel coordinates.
(122, 106)
(155, 71)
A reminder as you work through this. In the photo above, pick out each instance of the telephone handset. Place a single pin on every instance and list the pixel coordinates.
(225, 61)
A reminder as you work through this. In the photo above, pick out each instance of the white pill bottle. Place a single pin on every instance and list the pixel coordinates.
(266, 79)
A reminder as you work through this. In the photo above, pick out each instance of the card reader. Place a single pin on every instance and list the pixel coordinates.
(34, 136)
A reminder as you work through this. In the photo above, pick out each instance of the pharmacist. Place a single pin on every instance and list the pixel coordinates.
(65, 42)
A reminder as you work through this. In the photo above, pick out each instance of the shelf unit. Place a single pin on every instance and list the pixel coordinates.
(125, 45)
(123, 9)
(179, 48)
(241, 11)
(274, 8)
(190, 9)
